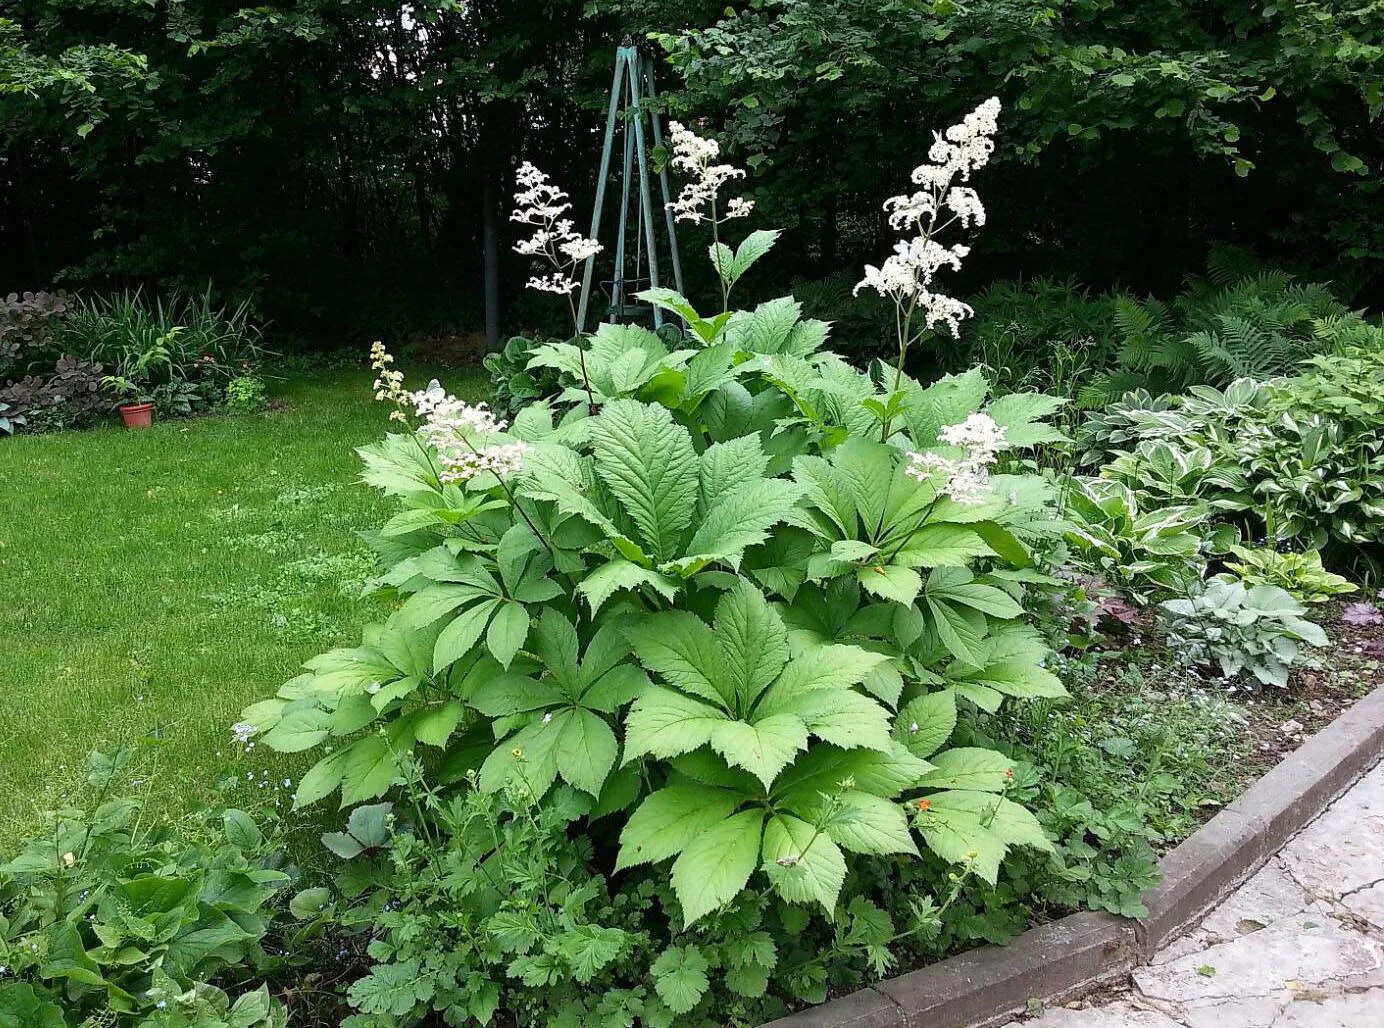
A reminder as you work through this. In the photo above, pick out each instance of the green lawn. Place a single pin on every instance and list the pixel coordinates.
(156, 582)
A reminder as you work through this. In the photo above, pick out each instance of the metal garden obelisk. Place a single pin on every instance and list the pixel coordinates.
(633, 109)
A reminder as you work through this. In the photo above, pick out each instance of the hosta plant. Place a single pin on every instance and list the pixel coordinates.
(109, 917)
(1145, 550)
(1301, 575)
(732, 591)
(1260, 630)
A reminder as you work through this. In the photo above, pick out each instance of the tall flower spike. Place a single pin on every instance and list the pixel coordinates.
(696, 156)
(555, 239)
(907, 275)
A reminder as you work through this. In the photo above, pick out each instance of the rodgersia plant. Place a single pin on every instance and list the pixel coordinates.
(943, 200)
(715, 614)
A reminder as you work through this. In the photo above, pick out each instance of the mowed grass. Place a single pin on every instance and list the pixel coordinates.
(156, 582)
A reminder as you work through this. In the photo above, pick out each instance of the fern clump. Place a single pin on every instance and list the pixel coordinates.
(1239, 321)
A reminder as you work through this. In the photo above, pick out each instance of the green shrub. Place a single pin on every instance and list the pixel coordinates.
(726, 600)
(512, 383)
(113, 918)
(245, 394)
(1257, 629)
(179, 352)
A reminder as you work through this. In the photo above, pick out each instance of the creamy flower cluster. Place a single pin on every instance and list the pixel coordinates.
(388, 384)
(459, 431)
(697, 156)
(906, 276)
(555, 239)
(967, 478)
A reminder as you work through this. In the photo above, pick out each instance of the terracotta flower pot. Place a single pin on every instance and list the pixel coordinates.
(137, 415)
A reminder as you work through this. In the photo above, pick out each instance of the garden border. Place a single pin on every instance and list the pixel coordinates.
(1058, 961)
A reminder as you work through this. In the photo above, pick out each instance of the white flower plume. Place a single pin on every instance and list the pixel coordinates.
(555, 239)
(461, 433)
(697, 157)
(966, 479)
(907, 275)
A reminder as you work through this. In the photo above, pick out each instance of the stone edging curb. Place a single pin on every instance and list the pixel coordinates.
(1057, 961)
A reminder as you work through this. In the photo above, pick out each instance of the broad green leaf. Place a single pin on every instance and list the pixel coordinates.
(752, 642)
(669, 820)
(682, 649)
(955, 630)
(714, 867)
(833, 666)
(501, 694)
(368, 771)
(301, 727)
(436, 724)
(805, 865)
(1017, 678)
(615, 575)
(507, 632)
(763, 748)
(943, 545)
(968, 767)
(926, 723)
(865, 823)
(751, 248)
(844, 718)
(959, 835)
(459, 637)
(728, 465)
(647, 461)
(321, 779)
(680, 978)
(664, 723)
(823, 768)
(1013, 823)
(586, 749)
(891, 582)
(740, 519)
(767, 328)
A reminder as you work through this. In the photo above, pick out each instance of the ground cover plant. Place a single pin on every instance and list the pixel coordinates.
(112, 918)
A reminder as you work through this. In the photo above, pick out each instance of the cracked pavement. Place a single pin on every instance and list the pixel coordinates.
(1299, 945)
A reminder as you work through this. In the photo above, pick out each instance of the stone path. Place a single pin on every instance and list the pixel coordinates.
(1299, 945)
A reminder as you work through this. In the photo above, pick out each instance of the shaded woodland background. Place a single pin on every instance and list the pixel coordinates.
(340, 163)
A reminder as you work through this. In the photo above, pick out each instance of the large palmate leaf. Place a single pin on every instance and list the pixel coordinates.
(559, 704)
(617, 361)
(736, 687)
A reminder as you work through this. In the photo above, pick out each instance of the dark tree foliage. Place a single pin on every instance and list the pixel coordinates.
(1133, 133)
(335, 159)
(329, 157)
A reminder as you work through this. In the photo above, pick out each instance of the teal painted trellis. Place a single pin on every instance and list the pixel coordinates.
(633, 101)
